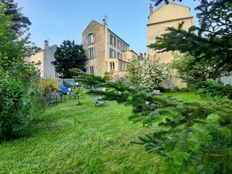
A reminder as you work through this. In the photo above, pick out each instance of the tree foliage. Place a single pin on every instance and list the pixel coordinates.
(20, 23)
(10, 51)
(18, 83)
(134, 72)
(193, 137)
(189, 71)
(68, 56)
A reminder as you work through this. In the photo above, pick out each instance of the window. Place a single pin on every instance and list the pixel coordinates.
(122, 66)
(112, 40)
(115, 42)
(112, 53)
(119, 45)
(124, 47)
(112, 66)
(91, 38)
(90, 70)
(119, 56)
(91, 53)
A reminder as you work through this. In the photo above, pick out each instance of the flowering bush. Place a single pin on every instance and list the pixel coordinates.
(49, 83)
(154, 74)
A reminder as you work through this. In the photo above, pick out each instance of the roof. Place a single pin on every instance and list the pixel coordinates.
(168, 13)
(118, 37)
(94, 21)
(171, 3)
(134, 52)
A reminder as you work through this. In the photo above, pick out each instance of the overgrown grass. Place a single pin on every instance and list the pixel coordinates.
(71, 138)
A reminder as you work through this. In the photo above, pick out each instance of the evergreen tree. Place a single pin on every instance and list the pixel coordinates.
(210, 43)
(20, 23)
(69, 56)
(192, 137)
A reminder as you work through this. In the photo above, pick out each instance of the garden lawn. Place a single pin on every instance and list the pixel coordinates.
(71, 138)
(80, 139)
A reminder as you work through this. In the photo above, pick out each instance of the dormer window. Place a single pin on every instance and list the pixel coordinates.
(91, 39)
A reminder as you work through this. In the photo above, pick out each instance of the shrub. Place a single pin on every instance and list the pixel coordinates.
(48, 86)
(49, 83)
(78, 92)
(212, 88)
(15, 115)
(152, 74)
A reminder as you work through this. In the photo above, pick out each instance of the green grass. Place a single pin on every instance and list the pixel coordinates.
(190, 97)
(80, 139)
(71, 138)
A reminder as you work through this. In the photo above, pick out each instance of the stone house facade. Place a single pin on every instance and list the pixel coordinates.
(106, 51)
(168, 15)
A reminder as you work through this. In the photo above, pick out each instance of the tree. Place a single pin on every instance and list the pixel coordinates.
(69, 56)
(10, 51)
(20, 23)
(18, 86)
(134, 72)
(192, 137)
(211, 43)
(189, 70)
(157, 2)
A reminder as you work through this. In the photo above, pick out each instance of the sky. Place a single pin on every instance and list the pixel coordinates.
(58, 20)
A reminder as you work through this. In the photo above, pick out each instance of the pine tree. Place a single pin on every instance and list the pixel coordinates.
(193, 137)
(210, 43)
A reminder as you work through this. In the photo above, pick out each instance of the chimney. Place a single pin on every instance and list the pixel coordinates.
(145, 55)
(151, 9)
(46, 45)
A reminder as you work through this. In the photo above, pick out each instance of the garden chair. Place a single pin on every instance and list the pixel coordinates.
(99, 101)
(156, 92)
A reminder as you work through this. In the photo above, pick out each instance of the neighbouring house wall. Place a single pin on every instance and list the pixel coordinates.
(102, 60)
(130, 55)
(49, 58)
(42, 61)
(99, 61)
(169, 11)
(38, 61)
(168, 15)
(157, 30)
(119, 47)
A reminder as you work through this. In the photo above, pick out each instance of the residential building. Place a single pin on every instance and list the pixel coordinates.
(168, 15)
(43, 59)
(106, 51)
